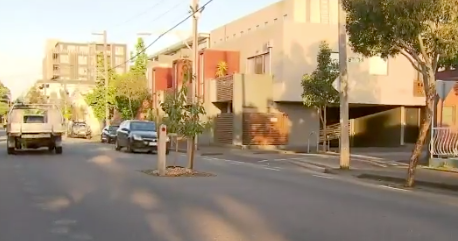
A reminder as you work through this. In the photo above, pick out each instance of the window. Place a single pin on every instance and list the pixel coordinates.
(82, 59)
(142, 126)
(119, 61)
(64, 58)
(82, 71)
(120, 50)
(83, 49)
(378, 66)
(259, 64)
(448, 115)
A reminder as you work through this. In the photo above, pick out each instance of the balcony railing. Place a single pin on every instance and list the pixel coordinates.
(222, 89)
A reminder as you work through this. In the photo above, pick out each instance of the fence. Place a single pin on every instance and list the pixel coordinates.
(444, 142)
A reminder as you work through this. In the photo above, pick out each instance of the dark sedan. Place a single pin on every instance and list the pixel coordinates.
(109, 134)
(136, 135)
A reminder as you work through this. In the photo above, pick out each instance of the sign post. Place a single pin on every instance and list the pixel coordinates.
(161, 149)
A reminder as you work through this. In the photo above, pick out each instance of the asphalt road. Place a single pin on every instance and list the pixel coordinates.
(92, 192)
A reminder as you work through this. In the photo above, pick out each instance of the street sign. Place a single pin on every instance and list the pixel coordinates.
(443, 88)
(336, 84)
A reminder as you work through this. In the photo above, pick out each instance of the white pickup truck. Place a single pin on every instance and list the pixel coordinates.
(34, 126)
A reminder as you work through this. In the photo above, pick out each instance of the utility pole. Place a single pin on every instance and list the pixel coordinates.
(343, 92)
(195, 44)
(195, 58)
(105, 59)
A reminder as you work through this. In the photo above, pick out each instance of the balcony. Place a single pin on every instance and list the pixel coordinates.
(222, 89)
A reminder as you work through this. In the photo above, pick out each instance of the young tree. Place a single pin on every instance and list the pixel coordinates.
(35, 96)
(131, 92)
(140, 59)
(183, 118)
(65, 104)
(5, 98)
(420, 30)
(318, 91)
(98, 96)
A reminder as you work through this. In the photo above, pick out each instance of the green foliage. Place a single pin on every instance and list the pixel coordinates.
(35, 96)
(98, 96)
(317, 87)
(5, 95)
(65, 104)
(183, 118)
(421, 30)
(141, 59)
(131, 92)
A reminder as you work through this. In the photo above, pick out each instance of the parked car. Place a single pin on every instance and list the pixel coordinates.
(137, 135)
(80, 130)
(109, 134)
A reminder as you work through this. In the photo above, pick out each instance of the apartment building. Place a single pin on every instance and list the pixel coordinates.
(78, 61)
(276, 46)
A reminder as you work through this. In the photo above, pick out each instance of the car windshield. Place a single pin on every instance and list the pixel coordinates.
(113, 128)
(143, 126)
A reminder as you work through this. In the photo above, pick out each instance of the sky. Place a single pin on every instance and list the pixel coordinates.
(25, 25)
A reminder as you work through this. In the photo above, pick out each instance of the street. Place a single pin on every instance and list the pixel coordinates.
(92, 192)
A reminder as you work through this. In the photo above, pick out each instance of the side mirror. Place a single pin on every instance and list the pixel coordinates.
(125, 129)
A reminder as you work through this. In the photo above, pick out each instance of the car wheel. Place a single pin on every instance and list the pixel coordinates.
(59, 149)
(10, 151)
(101, 139)
(167, 151)
(117, 146)
(129, 148)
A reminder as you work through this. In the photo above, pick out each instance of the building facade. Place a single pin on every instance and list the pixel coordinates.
(78, 61)
(276, 46)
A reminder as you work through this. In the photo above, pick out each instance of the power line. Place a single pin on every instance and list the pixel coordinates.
(140, 14)
(162, 35)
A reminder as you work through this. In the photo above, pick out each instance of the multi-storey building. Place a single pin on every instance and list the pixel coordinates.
(275, 47)
(78, 61)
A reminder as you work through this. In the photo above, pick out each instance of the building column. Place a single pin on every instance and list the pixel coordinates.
(403, 125)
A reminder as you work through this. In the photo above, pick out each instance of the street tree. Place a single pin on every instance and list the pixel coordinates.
(131, 92)
(140, 59)
(5, 95)
(35, 96)
(420, 30)
(317, 89)
(65, 103)
(183, 118)
(97, 98)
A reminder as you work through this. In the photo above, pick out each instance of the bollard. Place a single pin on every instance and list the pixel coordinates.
(161, 149)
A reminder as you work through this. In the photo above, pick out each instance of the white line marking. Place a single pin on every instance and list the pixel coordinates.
(271, 168)
(323, 176)
(393, 188)
(263, 161)
(281, 159)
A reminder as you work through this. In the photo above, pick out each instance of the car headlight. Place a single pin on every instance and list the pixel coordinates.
(168, 139)
(137, 137)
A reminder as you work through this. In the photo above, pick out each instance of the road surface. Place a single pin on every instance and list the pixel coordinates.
(92, 192)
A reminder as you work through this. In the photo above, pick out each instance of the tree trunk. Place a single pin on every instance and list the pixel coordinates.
(130, 107)
(319, 131)
(430, 94)
(325, 130)
(191, 149)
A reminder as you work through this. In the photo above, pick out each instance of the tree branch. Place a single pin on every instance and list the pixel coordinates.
(423, 50)
(409, 57)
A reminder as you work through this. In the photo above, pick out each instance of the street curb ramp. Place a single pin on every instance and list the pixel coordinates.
(438, 185)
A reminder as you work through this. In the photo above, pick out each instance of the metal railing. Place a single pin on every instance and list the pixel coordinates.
(444, 142)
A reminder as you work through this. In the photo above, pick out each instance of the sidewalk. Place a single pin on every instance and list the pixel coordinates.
(423, 177)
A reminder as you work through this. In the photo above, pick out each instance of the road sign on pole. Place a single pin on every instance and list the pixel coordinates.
(336, 84)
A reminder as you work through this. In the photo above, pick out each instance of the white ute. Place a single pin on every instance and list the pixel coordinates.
(34, 126)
